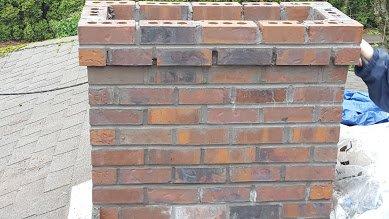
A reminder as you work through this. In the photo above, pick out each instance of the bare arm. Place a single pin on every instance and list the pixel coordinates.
(366, 52)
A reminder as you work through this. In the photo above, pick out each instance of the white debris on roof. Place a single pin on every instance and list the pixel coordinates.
(362, 185)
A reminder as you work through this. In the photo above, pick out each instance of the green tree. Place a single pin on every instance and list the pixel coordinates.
(33, 20)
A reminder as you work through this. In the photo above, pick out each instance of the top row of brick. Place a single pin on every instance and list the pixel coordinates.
(131, 10)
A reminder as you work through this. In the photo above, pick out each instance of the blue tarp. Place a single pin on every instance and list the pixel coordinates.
(358, 109)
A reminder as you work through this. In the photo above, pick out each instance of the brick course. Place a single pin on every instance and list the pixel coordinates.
(215, 110)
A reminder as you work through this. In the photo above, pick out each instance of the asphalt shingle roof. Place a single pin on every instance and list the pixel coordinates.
(44, 142)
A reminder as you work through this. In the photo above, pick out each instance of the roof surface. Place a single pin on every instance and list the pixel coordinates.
(44, 139)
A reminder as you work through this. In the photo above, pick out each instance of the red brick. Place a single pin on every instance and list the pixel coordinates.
(164, 32)
(326, 11)
(216, 10)
(184, 57)
(347, 56)
(145, 136)
(282, 32)
(94, 11)
(317, 94)
(256, 11)
(233, 74)
(104, 176)
(318, 134)
(173, 116)
(325, 154)
(268, 193)
(229, 155)
(321, 191)
(259, 135)
(321, 14)
(146, 96)
(225, 194)
(109, 213)
(284, 154)
(286, 74)
(174, 156)
(296, 11)
(303, 56)
(92, 57)
(115, 117)
(198, 136)
(106, 32)
(288, 114)
(149, 212)
(100, 96)
(307, 210)
(236, 115)
(219, 32)
(124, 10)
(309, 173)
(144, 175)
(172, 196)
(337, 74)
(117, 157)
(203, 96)
(102, 137)
(334, 32)
(133, 56)
(200, 175)
(164, 10)
(330, 114)
(254, 96)
(117, 196)
(255, 174)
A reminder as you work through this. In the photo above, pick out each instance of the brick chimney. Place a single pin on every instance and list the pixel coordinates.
(213, 109)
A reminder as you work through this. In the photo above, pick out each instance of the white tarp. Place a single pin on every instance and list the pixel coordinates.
(362, 185)
(81, 201)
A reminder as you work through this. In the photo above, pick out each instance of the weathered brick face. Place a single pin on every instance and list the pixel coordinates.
(236, 116)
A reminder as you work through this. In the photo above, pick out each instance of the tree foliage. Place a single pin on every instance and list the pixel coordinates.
(34, 20)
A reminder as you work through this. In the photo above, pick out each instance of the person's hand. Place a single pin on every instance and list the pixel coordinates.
(366, 52)
(360, 63)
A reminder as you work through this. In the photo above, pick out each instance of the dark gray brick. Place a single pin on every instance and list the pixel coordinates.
(255, 212)
(245, 56)
(184, 57)
(168, 34)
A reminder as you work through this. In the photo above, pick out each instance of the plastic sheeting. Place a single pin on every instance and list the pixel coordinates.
(362, 184)
(358, 109)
